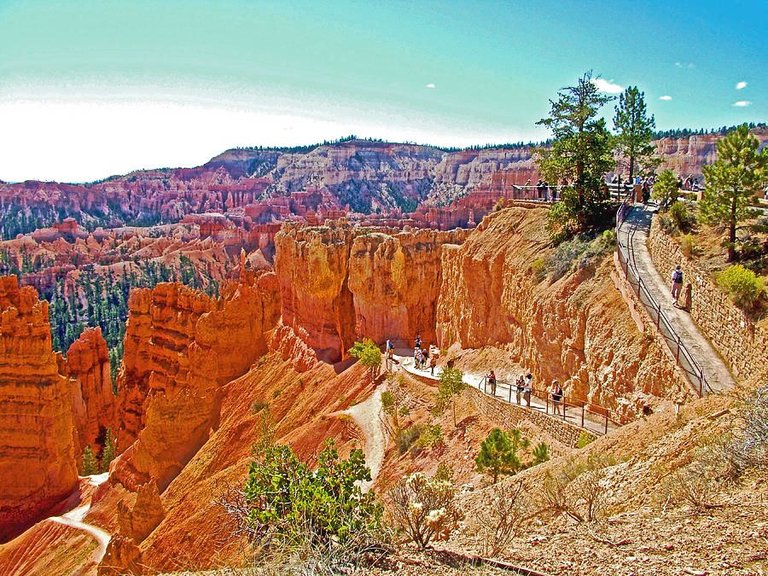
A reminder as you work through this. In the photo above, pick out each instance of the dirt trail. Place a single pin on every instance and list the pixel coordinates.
(368, 415)
(74, 518)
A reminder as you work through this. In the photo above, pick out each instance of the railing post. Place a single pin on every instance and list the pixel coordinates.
(582, 415)
(606, 422)
(677, 353)
(510, 393)
(546, 405)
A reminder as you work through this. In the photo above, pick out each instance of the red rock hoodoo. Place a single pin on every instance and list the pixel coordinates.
(37, 468)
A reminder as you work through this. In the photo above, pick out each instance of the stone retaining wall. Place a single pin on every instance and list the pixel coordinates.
(742, 344)
(511, 415)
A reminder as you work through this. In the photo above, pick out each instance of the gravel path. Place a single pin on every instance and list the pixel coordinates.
(369, 417)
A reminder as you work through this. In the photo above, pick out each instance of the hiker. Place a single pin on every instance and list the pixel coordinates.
(677, 284)
(520, 385)
(527, 389)
(492, 382)
(417, 342)
(557, 396)
(432, 364)
(418, 357)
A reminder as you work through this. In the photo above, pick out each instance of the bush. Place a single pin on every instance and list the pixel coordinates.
(584, 439)
(451, 385)
(406, 437)
(581, 249)
(743, 286)
(425, 508)
(286, 503)
(369, 355)
(500, 517)
(748, 447)
(682, 216)
(575, 489)
(686, 245)
(90, 465)
(665, 188)
(539, 269)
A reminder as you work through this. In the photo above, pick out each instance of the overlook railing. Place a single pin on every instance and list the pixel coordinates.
(683, 356)
(591, 417)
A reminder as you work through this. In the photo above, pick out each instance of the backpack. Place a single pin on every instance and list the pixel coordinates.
(677, 276)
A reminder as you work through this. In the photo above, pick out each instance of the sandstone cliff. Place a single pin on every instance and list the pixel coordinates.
(37, 452)
(180, 348)
(339, 284)
(577, 329)
(93, 402)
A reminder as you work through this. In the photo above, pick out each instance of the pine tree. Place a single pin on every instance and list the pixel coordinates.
(108, 454)
(90, 465)
(732, 181)
(451, 385)
(369, 355)
(581, 153)
(635, 130)
(498, 453)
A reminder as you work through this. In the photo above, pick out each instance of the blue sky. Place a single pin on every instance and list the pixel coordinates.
(89, 88)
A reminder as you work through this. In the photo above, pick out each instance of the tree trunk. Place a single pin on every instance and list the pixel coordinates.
(631, 170)
(732, 231)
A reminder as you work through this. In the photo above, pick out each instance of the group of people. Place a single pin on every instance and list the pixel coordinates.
(524, 389)
(423, 358)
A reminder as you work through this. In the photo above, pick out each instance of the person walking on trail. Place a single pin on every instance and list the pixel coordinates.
(492, 382)
(519, 388)
(417, 342)
(677, 284)
(527, 389)
(557, 396)
(432, 364)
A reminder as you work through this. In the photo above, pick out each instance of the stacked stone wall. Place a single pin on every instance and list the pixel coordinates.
(511, 415)
(741, 343)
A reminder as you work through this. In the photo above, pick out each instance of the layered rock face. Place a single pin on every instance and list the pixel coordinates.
(339, 284)
(180, 348)
(37, 451)
(577, 329)
(93, 402)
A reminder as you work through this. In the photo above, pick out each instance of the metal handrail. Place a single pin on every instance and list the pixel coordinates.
(683, 357)
(556, 410)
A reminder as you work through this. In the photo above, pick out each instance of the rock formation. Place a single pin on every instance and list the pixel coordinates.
(576, 329)
(37, 467)
(180, 348)
(93, 402)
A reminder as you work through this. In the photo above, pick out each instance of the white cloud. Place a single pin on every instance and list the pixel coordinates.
(741, 85)
(607, 86)
(742, 103)
(430, 85)
(688, 65)
(666, 98)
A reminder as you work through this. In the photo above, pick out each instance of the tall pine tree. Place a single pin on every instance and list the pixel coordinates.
(738, 175)
(635, 130)
(581, 153)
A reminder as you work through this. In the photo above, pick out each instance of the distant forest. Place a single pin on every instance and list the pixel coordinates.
(658, 134)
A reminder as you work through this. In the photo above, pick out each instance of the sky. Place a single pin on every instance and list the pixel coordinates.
(92, 88)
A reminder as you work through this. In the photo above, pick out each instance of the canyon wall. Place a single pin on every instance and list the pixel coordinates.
(180, 348)
(37, 450)
(93, 402)
(340, 284)
(577, 329)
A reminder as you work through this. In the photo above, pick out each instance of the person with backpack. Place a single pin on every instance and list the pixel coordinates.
(677, 284)
(520, 387)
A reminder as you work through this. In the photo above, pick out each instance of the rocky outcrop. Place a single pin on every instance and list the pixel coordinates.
(180, 348)
(93, 402)
(577, 329)
(37, 452)
(340, 283)
(123, 557)
(137, 522)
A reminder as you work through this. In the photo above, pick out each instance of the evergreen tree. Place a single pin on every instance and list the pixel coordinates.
(635, 130)
(581, 153)
(90, 465)
(108, 454)
(369, 355)
(451, 385)
(498, 453)
(665, 188)
(733, 180)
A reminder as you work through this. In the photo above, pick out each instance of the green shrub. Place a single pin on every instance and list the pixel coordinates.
(109, 452)
(406, 437)
(90, 465)
(369, 355)
(584, 439)
(665, 189)
(743, 286)
(258, 406)
(686, 245)
(682, 216)
(288, 503)
(539, 269)
(431, 435)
